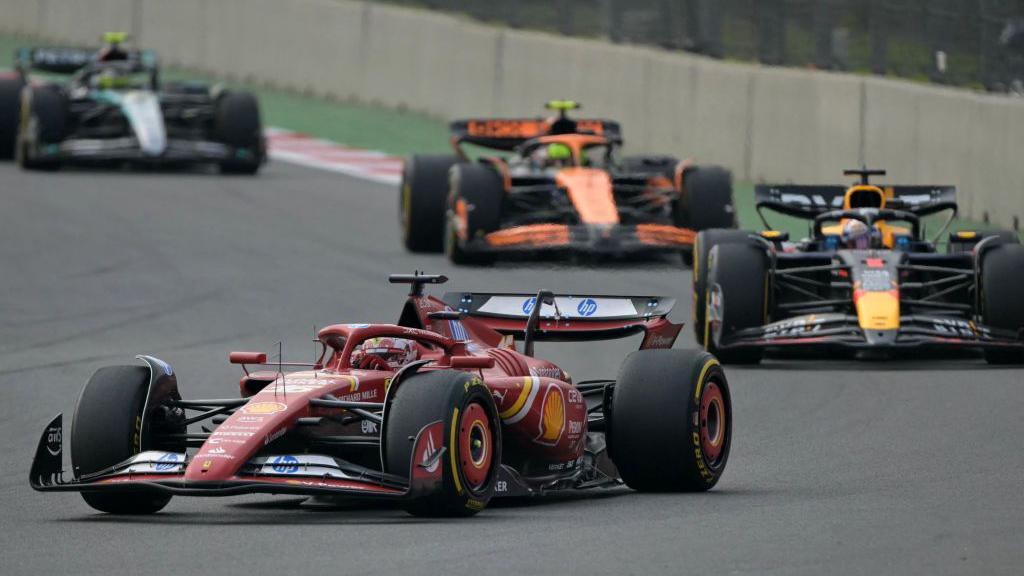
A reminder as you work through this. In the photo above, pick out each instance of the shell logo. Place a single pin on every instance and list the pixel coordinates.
(552, 420)
(264, 408)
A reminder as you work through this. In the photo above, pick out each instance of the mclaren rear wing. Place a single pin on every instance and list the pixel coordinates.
(507, 133)
(568, 318)
(808, 201)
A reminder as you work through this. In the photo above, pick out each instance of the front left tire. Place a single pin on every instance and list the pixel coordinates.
(107, 429)
(471, 439)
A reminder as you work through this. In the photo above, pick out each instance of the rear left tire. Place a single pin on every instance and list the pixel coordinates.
(107, 429)
(671, 421)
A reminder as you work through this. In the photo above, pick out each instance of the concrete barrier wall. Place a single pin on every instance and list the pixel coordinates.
(766, 124)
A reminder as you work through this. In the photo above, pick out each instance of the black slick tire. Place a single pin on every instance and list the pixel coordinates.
(422, 200)
(671, 421)
(46, 124)
(736, 291)
(10, 116)
(237, 124)
(476, 199)
(1002, 275)
(107, 429)
(702, 245)
(448, 396)
(705, 200)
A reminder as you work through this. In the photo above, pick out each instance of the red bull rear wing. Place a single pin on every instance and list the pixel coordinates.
(808, 201)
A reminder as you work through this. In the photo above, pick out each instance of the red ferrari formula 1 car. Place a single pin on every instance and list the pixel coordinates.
(439, 412)
(557, 184)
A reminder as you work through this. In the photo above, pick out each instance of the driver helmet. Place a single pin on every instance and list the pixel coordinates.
(856, 235)
(558, 154)
(112, 50)
(383, 353)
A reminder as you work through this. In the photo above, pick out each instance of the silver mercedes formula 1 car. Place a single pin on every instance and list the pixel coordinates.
(108, 106)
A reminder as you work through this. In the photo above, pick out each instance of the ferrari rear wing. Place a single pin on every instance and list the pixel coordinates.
(507, 133)
(567, 318)
(808, 201)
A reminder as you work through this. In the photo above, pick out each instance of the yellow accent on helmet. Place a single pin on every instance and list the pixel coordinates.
(559, 151)
(115, 37)
(562, 105)
(966, 235)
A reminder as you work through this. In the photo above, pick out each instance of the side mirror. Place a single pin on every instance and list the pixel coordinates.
(248, 357)
(474, 362)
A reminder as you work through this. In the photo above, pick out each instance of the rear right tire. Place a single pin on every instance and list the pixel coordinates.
(1002, 275)
(671, 421)
(107, 430)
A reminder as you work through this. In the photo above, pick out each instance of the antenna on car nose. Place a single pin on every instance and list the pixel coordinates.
(864, 172)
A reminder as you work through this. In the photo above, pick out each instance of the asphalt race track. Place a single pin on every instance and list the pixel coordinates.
(837, 467)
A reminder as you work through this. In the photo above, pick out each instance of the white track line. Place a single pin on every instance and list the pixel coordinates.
(304, 150)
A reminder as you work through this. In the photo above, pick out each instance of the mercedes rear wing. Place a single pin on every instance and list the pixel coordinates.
(568, 318)
(808, 201)
(68, 60)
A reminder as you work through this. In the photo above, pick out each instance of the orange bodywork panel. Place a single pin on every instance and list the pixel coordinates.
(661, 234)
(591, 194)
(877, 310)
(530, 235)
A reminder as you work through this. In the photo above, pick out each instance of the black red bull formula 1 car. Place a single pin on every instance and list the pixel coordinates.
(559, 186)
(866, 280)
(439, 413)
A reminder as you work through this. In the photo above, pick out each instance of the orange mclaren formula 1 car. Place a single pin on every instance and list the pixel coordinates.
(561, 187)
(866, 280)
